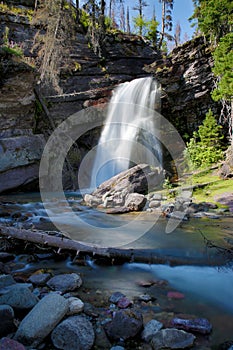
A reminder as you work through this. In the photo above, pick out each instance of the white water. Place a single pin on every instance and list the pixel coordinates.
(128, 135)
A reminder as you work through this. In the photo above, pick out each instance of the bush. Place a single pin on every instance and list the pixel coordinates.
(204, 148)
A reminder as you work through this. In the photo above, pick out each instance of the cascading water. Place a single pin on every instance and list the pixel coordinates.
(128, 134)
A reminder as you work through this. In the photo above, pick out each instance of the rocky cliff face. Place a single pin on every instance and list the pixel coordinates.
(87, 80)
(187, 81)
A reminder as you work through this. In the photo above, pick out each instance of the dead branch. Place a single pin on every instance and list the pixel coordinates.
(110, 253)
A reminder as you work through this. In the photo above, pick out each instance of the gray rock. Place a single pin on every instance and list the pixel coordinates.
(7, 320)
(154, 204)
(74, 333)
(172, 338)
(150, 329)
(42, 319)
(19, 297)
(65, 282)
(125, 324)
(39, 279)
(75, 306)
(115, 297)
(157, 197)
(6, 280)
(145, 297)
(135, 201)
(117, 348)
(200, 325)
(138, 179)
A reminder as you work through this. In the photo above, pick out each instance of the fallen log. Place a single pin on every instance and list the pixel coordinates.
(110, 253)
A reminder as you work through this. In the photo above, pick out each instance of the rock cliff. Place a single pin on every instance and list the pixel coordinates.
(187, 81)
(88, 80)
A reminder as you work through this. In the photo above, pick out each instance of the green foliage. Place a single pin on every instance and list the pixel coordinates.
(215, 17)
(14, 51)
(223, 63)
(85, 19)
(152, 31)
(140, 25)
(16, 11)
(205, 147)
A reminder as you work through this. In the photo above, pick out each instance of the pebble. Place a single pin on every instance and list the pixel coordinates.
(115, 297)
(10, 344)
(75, 306)
(7, 320)
(123, 303)
(39, 279)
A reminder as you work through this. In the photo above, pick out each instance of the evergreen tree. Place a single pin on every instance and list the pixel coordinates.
(166, 22)
(205, 147)
(140, 20)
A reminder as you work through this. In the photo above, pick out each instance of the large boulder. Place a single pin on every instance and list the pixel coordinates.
(127, 188)
(42, 319)
(20, 158)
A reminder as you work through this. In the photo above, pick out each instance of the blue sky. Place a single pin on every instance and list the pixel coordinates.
(183, 9)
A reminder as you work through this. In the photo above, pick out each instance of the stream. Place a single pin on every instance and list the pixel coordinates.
(205, 278)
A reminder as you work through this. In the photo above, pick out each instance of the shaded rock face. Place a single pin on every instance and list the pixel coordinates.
(126, 189)
(187, 82)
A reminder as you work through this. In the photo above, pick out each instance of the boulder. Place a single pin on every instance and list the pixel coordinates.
(74, 333)
(65, 282)
(127, 188)
(19, 297)
(42, 319)
(7, 320)
(135, 201)
(173, 339)
(20, 158)
(125, 324)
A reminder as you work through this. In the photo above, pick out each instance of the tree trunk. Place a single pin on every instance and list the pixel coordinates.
(110, 253)
(162, 24)
(77, 11)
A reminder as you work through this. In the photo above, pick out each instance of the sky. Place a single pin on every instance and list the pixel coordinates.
(183, 9)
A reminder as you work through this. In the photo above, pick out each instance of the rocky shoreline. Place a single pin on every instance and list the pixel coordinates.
(45, 309)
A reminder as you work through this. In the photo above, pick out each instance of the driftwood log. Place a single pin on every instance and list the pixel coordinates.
(111, 254)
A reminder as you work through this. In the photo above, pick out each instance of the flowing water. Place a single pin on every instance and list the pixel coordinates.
(130, 123)
(205, 276)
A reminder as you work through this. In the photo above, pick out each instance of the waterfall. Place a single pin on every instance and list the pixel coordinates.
(128, 137)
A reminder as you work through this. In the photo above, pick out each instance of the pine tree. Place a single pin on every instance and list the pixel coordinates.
(139, 20)
(166, 22)
(205, 147)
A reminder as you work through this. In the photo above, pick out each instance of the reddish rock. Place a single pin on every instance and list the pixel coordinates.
(10, 344)
(175, 295)
(123, 303)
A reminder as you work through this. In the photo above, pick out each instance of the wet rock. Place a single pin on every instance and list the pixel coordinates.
(6, 280)
(39, 279)
(10, 344)
(175, 295)
(123, 303)
(135, 201)
(101, 340)
(42, 319)
(172, 338)
(19, 297)
(115, 191)
(124, 325)
(115, 297)
(118, 210)
(75, 306)
(5, 257)
(7, 320)
(65, 282)
(154, 204)
(117, 348)
(199, 325)
(150, 329)
(74, 333)
(145, 297)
